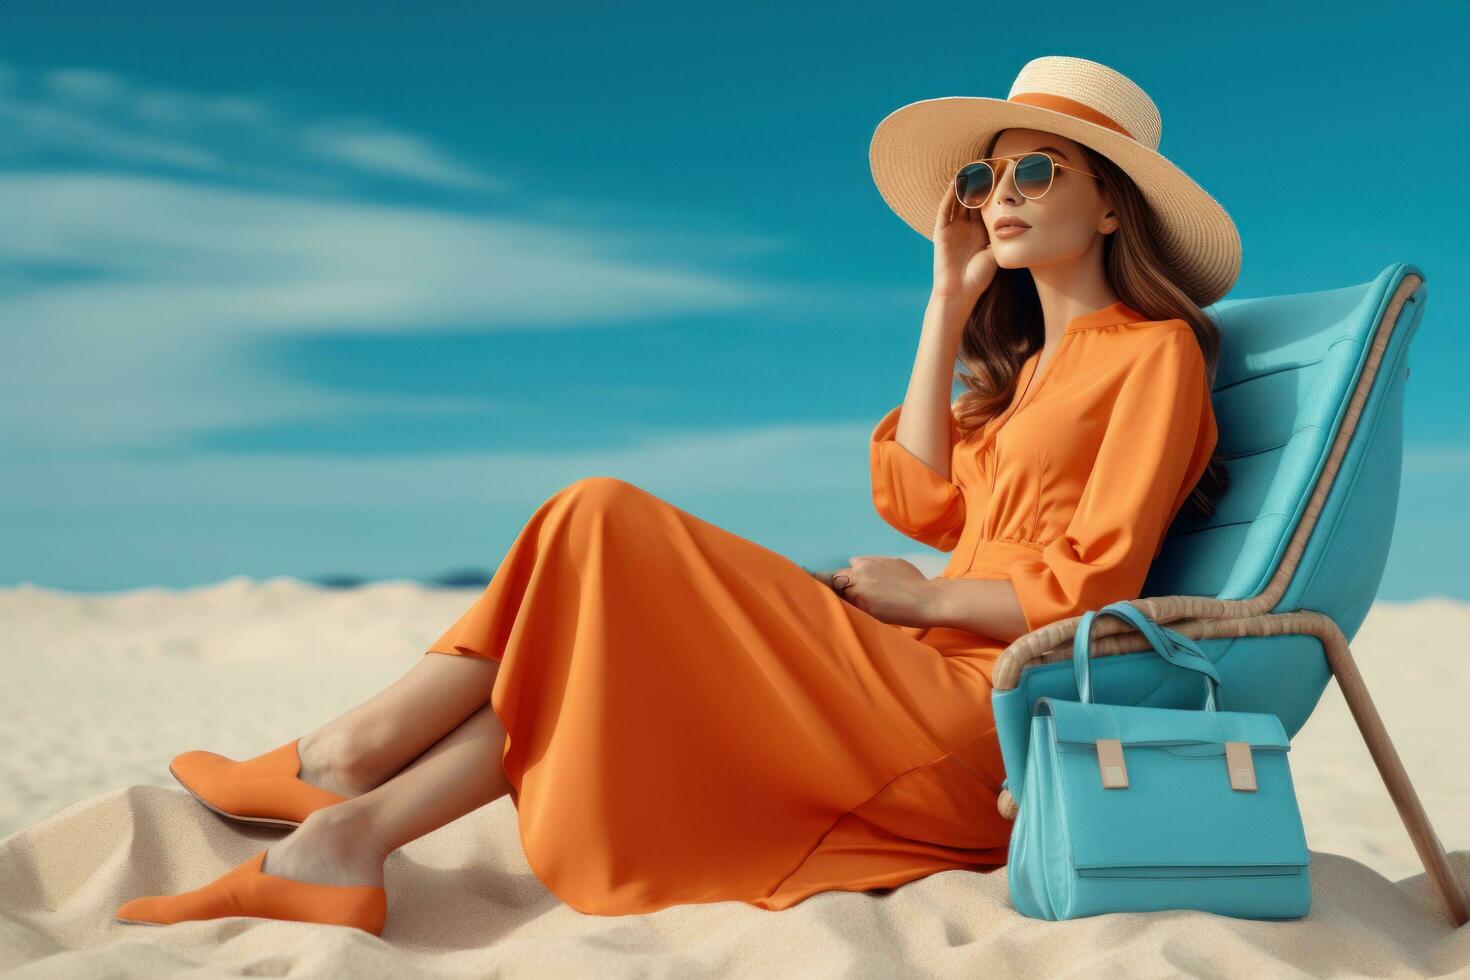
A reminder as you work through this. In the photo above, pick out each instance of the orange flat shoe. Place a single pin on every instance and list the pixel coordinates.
(265, 789)
(248, 890)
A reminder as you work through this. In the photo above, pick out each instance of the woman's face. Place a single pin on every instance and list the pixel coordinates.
(1064, 222)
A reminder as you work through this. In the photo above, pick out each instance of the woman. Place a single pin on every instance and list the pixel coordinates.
(681, 715)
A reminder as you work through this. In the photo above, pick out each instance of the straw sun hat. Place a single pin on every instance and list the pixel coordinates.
(917, 149)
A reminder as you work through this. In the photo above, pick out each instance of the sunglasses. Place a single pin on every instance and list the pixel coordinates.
(1034, 173)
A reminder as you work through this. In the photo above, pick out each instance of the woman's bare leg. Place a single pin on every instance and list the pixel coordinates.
(346, 844)
(367, 745)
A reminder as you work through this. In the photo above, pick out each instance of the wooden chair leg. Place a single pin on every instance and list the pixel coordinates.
(1396, 779)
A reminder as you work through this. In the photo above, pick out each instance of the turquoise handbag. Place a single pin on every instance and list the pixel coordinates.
(1140, 809)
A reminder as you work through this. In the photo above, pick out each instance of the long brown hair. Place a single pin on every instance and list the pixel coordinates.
(1007, 327)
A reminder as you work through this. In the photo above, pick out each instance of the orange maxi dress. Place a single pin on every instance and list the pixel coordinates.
(692, 717)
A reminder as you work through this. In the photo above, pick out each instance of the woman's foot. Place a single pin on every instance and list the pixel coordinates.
(329, 870)
(331, 768)
(266, 789)
(333, 846)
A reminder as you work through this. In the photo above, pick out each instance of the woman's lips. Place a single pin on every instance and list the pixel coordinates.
(1010, 231)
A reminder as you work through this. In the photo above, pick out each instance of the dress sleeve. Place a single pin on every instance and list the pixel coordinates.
(910, 494)
(1158, 441)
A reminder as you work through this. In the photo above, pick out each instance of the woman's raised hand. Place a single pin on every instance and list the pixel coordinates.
(964, 265)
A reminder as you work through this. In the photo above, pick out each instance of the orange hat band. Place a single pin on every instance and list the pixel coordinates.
(1060, 103)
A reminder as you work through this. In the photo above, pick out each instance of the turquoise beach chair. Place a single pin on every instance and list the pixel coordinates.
(1309, 395)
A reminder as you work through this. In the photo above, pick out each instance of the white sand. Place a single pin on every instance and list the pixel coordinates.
(102, 690)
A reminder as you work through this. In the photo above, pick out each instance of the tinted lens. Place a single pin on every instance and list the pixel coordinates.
(972, 184)
(1033, 174)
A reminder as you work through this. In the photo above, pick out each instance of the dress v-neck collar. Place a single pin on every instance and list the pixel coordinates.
(1110, 315)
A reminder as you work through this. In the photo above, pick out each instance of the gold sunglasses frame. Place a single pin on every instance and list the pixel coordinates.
(999, 173)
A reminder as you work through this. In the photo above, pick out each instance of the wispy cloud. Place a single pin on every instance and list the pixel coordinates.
(91, 114)
(138, 338)
(165, 257)
(130, 289)
(370, 147)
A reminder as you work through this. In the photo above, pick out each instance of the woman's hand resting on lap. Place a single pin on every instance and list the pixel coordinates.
(889, 589)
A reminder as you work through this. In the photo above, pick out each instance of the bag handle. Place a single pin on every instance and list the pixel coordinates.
(1172, 645)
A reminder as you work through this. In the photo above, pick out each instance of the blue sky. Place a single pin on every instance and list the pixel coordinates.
(350, 289)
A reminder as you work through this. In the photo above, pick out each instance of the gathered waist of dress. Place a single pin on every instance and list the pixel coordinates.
(991, 557)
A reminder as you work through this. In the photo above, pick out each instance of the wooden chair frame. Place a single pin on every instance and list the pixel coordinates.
(1203, 617)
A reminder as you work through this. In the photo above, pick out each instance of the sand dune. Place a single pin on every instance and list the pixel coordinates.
(102, 690)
